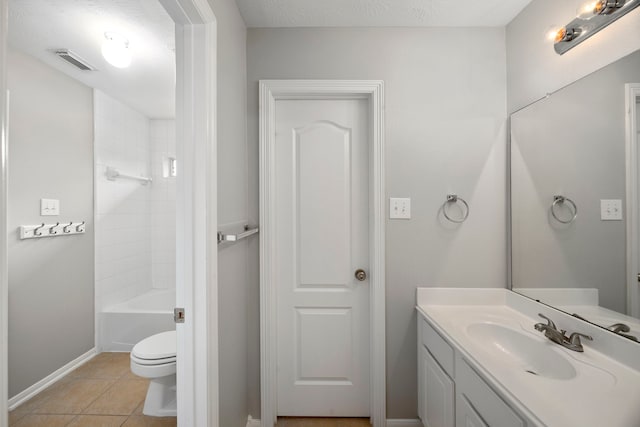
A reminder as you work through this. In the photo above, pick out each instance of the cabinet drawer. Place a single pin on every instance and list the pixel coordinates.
(492, 410)
(438, 347)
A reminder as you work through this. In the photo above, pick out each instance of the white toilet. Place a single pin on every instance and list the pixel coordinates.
(155, 358)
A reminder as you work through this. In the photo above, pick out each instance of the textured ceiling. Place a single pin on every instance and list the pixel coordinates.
(384, 13)
(37, 27)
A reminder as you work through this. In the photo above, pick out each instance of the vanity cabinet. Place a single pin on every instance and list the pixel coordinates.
(437, 393)
(450, 391)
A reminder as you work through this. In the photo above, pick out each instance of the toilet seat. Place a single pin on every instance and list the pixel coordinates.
(156, 349)
(152, 362)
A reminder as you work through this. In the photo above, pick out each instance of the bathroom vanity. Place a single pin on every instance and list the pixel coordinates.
(482, 363)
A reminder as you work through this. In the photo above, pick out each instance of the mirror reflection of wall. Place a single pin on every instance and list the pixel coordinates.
(572, 144)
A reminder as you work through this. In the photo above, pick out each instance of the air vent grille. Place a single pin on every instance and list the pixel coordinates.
(73, 59)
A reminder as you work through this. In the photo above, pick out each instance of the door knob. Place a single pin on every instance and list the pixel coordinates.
(361, 275)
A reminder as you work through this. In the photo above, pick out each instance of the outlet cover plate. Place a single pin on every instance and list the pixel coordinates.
(611, 210)
(399, 208)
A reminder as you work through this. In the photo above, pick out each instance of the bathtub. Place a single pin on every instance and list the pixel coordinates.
(122, 325)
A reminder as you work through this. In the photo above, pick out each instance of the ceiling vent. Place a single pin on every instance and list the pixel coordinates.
(73, 59)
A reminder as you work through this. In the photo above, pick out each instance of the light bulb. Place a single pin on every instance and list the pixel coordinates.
(587, 10)
(551, 32)
(116, 50)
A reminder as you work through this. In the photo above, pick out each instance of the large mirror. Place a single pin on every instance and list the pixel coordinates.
(574, 191)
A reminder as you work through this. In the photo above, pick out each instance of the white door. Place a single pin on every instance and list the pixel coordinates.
(321, 214)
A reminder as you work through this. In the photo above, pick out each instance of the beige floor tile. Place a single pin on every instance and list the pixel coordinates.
(97, 421)
(100, 357)
(103, 366)
(131, 376)
(122, 398)
(32, 420)
(138, 410)
(144, 421)
(17, 414)
(39, 399)
(74, 396)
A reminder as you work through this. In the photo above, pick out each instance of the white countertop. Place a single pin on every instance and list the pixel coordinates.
(603, 392)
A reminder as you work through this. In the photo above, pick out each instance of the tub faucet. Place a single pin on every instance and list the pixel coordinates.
(571, 342)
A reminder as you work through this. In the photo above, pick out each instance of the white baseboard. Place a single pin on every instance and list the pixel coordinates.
(27, 394)
(390, 423)
(404, 423)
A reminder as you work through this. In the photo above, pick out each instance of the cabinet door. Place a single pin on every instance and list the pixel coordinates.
(485, 402)
(466, 416)
(436, 393)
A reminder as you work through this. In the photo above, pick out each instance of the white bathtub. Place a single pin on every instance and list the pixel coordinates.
(123, 325)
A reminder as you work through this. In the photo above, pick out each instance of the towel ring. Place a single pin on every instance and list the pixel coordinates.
(453, 198)
(559, 200)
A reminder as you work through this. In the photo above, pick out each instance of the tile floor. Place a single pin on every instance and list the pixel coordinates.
(323, 422)
(101, 393)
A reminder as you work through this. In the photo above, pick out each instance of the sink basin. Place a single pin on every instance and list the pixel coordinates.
(530, 355)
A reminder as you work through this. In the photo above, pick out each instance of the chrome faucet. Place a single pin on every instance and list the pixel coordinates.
(622, 329)
(571, 342)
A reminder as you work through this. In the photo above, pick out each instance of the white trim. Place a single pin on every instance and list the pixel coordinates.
(390, 423)
(252, 423)
(404, 423)
(196, 266)
(36, 388)
(4, 281)
(632, 93)
(270, 91)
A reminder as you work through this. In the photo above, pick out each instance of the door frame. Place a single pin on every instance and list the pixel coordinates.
(270, 92)
(632, 94)
(196, 129)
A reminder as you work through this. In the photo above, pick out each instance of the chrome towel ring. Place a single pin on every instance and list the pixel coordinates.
(560, 200)
(453, 198)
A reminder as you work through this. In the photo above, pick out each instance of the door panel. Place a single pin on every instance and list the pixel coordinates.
(323, 176)
(321, 211)
(324, 349)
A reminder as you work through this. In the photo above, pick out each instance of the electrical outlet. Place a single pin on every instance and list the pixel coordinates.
(611, 210)
(399, 208)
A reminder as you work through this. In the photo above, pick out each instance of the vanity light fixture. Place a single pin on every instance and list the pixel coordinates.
(592, 16)
(115, 50)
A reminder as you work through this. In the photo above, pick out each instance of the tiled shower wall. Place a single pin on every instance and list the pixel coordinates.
(123, 229)
(163, 204)
(135, 223)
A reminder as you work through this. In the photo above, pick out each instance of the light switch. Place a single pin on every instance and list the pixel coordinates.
(611, 210)
(399, 208)
(49, 207)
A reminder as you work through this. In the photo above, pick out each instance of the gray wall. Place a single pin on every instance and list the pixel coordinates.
(445, 132)
(572, 143)
(51, 293)
(233, 280)
(533, 67)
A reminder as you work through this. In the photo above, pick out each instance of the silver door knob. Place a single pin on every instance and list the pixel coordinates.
(361, 275)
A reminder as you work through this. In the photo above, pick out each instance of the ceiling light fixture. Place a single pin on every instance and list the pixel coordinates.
(115, 50)
(592, 17)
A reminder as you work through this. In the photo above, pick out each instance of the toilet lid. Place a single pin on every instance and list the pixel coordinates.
(158, 346)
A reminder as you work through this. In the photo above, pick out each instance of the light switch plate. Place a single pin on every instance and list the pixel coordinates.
(49, 207)
(399, 208)
(611, 210)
